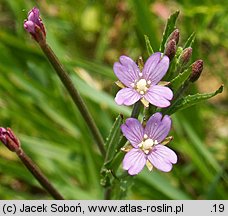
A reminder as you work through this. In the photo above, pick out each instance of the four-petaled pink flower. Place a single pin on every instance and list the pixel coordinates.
(143, 84)
(34, 25)
(147, 148)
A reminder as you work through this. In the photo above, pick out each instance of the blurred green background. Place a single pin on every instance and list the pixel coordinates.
(88, 37)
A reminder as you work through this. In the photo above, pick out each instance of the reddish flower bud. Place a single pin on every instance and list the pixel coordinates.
(197, 68)
(175, 35)
(170, 49)
(34, 25)
(8, 138)
(186, 56)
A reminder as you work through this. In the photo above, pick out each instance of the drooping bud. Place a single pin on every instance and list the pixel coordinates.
(197, 68)
(186, 56)
(34, 25)
(8, 138)
(170, 49)
(175, 35)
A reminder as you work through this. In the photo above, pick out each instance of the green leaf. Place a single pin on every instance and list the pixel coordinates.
(162, 184)
(202, 150)
(98, 96)
(170, 26)
(111, 146)
(121, 186)
(191, 100)
(179, 80)
(145, 21)
(149, 48)
(113, 139)
(190, 40)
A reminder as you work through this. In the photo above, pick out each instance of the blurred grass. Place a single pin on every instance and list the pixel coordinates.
(88, 36)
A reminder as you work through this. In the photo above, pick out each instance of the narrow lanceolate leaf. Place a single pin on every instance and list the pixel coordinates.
(148, 45)
(113, 139)
(170, 26)
(190, 40)
(111, 151)
(179, 80)
(191, 100)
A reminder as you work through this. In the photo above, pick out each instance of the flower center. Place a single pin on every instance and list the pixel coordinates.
(142, 86)
(147, 144)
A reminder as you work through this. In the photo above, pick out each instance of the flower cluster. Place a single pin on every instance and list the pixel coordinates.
(146, 142)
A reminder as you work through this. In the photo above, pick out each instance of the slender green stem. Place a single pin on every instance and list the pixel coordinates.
(65, 78)
(37, 173)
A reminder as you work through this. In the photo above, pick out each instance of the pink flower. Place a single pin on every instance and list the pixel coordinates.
(34, 25)
(8, 138)
(143, 85)
(147, 148)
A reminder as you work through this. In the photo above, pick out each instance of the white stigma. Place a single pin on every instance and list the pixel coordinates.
(141, 86)
(147, 144)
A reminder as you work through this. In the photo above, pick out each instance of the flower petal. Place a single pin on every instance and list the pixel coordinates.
(127, 96)
(157, 128)
(134, 161)
(34, 15)
(155, 67)
(29, 26)
(126, 70)
(162, 158)
(133, 131)
(159, 95)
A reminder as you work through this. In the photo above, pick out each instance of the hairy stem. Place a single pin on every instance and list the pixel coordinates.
(65, 78)
(37, 173)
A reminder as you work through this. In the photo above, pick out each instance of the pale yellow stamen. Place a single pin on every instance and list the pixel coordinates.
(132, 85)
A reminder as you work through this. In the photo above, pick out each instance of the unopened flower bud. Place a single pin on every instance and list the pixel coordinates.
(175, 35)
(34, 25)
(186, 56)
(170, 49)
(8, 138)
(197, 68)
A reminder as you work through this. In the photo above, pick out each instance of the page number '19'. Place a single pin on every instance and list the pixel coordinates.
(218, 208)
